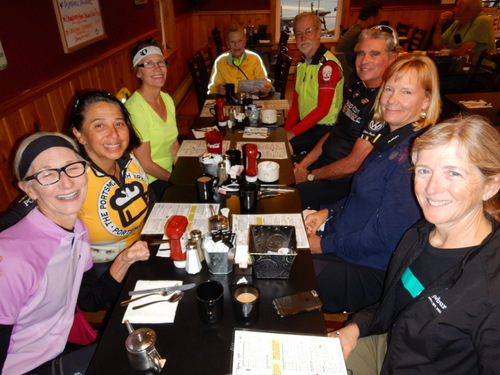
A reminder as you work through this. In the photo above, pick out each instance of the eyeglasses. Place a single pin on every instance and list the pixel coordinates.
(309, 31)
(51, 176)
(151, 64)
(389, 30)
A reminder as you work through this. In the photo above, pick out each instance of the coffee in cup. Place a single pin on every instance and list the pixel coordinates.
(246, 298)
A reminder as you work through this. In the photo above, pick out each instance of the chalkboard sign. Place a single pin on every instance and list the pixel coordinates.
(80, 23)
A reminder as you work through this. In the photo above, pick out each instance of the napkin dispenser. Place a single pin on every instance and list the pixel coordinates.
(273, 250)
(174, 229)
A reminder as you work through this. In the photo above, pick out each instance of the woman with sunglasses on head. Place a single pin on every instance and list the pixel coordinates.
(118, 200)
(153, 115)
(46, 262)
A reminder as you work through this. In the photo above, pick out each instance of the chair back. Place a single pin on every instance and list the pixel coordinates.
(283, 63)
(284, 35)
(489, 63)
(205, 56)
(418, 39)
(403, 29)
(217, 40)
(200, 78)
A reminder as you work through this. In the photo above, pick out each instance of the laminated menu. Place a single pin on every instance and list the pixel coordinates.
(261, 352)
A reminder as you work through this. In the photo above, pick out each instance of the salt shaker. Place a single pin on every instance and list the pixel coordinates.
(193, 264)
(197, 236)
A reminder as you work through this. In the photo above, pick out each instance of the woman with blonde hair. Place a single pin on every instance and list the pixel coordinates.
(361, 231)
(440, 311)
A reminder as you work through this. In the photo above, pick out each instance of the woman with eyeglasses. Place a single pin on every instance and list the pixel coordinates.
(118, 198)
(46, 262)
(153, 115)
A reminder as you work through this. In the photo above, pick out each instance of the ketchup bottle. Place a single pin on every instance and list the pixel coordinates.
(174, 229)
(251, 155)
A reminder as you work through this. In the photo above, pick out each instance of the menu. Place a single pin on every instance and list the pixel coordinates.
(262, 353)
(268, 150)
(196, 213)
(198, 147)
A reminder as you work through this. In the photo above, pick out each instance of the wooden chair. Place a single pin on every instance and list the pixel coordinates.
(418, 39)
(283, 63)
(403, 29)
(217, 39)
(282, 48)
(200, 78)
(490, 81)
(206, 58)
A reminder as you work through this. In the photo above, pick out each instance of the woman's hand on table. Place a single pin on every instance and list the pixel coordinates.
(313, 221)
(300, 173)
(289, 134)
(139, 251)
(348, 336)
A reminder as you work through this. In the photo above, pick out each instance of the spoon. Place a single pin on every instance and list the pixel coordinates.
(163, 294)
(174, 298)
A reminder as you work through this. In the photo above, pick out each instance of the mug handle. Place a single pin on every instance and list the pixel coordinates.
(213, 111)
(258, 155)
(216, 182)
(155, 358)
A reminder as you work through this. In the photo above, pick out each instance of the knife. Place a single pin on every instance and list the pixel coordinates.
(168, 289)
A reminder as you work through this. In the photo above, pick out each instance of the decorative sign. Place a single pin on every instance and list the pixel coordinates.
(80, 23)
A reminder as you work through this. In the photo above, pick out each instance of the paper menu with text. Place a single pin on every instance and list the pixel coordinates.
(271, 353)
(196, 213)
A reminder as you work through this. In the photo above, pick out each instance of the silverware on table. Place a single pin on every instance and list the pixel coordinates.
(169, 289)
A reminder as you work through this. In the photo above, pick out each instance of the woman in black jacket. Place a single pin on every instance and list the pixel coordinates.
(440, 311)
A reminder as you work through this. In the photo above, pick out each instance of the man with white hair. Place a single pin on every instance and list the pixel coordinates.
(323, 176)
(471, 30)
(317, 97)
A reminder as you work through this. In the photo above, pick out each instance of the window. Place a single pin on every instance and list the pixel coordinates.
(327, 11)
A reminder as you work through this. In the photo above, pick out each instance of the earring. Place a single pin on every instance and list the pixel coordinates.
(423, 114)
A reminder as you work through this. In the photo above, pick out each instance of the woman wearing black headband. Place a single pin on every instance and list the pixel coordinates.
(46, 262)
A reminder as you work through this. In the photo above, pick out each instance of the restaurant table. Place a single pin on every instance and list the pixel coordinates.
(193, 347)
(187, 168)
(492, 114)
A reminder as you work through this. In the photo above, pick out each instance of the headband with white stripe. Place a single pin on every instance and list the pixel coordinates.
(146, 51)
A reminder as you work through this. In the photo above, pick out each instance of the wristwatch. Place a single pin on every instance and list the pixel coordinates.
(310, 176)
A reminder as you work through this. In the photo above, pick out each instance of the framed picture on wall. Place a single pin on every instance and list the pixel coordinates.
(80, 23)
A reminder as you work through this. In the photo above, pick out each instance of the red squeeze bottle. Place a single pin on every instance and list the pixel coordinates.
(174, 229)
(251, 154)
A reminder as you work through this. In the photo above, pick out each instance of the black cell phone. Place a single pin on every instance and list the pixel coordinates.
(297, 303)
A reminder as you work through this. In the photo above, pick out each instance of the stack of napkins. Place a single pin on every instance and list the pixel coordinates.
(258, 133)
(163, 312)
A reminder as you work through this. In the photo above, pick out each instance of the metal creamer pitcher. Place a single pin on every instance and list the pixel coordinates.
(141, 351)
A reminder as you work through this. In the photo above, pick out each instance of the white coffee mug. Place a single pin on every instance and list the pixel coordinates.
(268, 171)
(269, 116)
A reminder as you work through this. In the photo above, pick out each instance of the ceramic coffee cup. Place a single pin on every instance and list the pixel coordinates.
(210, 301)
(205, 185)
(246, 298)
(268, 171)
(269, 116)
